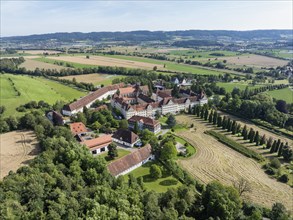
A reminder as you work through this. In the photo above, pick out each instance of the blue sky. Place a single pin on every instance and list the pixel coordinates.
(36, 17)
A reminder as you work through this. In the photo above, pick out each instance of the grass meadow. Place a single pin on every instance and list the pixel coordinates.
(32, 89)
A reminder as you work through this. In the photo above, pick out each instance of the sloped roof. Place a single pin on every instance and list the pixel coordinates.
(77, 128)
(126, 136)
(98, 142)
(130, 160)
(144, 120)
(91, 97)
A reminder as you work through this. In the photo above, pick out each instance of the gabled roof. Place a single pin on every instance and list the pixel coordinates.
(91, 97)
(126, 136)
(130, 160)
(144, 120)
(77, 128)
(99, 142)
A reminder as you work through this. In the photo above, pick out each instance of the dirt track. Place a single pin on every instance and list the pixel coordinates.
(17, 149)
(215, 161)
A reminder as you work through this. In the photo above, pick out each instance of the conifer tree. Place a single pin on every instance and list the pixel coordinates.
(238, 128)
(219, 121)
(244, 130)
(251, 135)
(278, 145)
(224, 123)
(202, 112)
(245, 134)
(234, 127)
(211, 117)
(206, 114)
(263, 140)
(198, 110)
(280, 149)
(228, 124)
(273, 147)
(270, 143)
(215, 117)
(256, 136)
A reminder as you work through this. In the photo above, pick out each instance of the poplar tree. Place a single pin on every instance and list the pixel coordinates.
(263, 140)
(234, 127)
(224, 123)
(219, 121)
(215, 117)
(244, 130)
(270, 143)
(251, 135)
(211, 117)
(280, 149)
(228, 124)
(273, 147)
(206, 114)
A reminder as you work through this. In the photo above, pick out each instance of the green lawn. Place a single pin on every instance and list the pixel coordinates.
(159, 185)
(285, 94)
(229, 86)
(32, 89)
(121, 153)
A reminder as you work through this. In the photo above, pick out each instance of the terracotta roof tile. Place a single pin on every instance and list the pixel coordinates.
(99, 142)
(130, 160)
(144, 120)
(77, 128)
(126, 136)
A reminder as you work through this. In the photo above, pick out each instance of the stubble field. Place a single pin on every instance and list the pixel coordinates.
(215, 161)
(17, 149)
(30, 64)
(106, 61)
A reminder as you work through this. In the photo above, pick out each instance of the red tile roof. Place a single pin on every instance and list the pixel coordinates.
(144, 120)
(77, 128)
(99, 142)
(130, 160)
(91, 97)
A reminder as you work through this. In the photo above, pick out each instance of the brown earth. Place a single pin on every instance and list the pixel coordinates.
(215, 161)
(106, 61)
(33, 64)
(17, 149)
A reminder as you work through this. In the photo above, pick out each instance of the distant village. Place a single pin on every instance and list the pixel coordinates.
(139, 107)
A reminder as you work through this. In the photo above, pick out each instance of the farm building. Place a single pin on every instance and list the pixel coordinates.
(78, 128)
(145, 123)
(55, 118)
(131, 161)
(88, 100)
(125, 137)
(98, 145)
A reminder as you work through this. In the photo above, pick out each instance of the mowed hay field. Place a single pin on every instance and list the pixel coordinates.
(30, 64)
(32, 89)
(254, 61)
(17, 149)
(95, 78)
(285, 94)
(215, 161)
(105, 61)
(36, 52)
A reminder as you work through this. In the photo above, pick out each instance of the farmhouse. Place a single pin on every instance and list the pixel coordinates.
(125, 137)
(145, 123)
(98, 145)
(55, 118)
(88, 100)
(131, 161)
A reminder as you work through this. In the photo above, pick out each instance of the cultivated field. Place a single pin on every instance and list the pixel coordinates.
(17, 149)
(32, 89)
(95, 78)
(36, 52)
(30, 64)
(215, 161)
(229, 86)
(254, 61)
(105, 61)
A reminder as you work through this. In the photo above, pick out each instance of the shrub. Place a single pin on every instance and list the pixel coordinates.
(284, 178)
(270, 171)
(275, 163)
